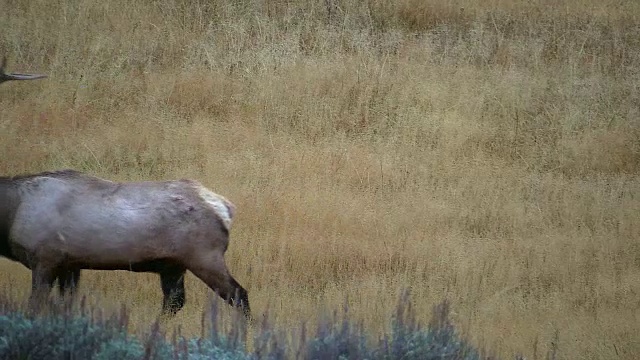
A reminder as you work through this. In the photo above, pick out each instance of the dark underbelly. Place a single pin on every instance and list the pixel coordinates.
(154, 266)
(5, 251)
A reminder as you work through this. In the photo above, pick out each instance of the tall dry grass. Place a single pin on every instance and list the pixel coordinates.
(485, 152)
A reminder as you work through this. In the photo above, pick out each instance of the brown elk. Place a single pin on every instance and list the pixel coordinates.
(59, 222)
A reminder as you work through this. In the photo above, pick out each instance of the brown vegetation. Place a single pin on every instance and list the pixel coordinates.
(485, 152)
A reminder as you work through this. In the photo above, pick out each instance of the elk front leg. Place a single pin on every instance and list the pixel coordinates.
(42, 278)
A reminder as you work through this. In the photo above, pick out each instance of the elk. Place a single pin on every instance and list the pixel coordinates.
(16, 76)
(57, 223)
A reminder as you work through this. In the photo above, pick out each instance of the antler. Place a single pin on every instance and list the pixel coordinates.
(16, 76)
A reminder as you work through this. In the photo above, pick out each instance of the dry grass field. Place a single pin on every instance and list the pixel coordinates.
(484, 152)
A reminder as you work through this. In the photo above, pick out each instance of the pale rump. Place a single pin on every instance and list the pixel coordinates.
(220, 205)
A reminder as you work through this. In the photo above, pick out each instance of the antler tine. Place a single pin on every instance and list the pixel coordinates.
(16, 76)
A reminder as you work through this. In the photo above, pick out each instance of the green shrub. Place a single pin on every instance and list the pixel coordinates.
(408, 340)
(60, 337)
(66, 336)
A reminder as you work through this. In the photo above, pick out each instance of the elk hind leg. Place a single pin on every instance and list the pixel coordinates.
(172, 282)
(212, 270)
(68, 280)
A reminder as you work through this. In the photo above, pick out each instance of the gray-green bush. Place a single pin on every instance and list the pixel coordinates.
(81, 336)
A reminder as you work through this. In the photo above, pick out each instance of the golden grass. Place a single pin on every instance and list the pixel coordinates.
(488, 152)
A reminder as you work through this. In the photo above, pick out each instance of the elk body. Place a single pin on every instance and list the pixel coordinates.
(58, 223)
